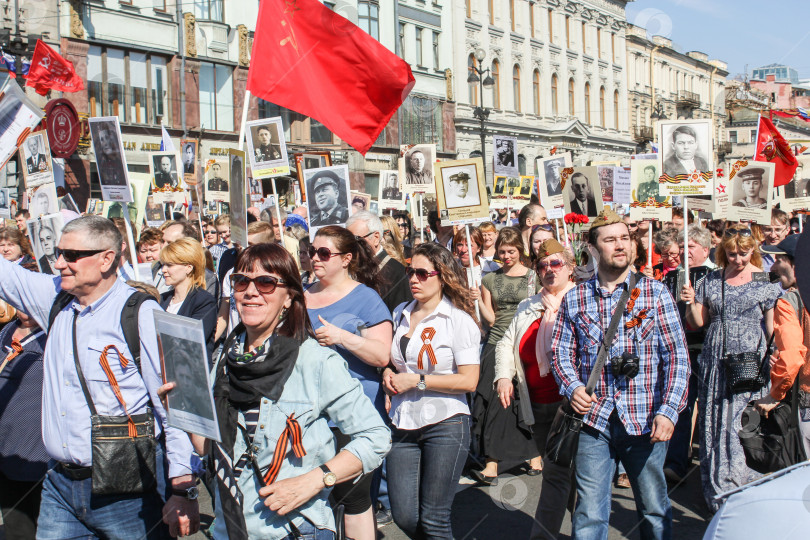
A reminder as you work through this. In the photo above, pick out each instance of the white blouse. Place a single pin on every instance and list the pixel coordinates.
(455, 342)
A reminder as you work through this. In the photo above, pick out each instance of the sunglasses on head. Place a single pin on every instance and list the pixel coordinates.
(745, 233)
(264, 284)
(323, 253)
(554, 265)
(73, 255)
(543, 227)
(420, 273)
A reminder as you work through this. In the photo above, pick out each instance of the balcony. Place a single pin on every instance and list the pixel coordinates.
(642, 133)
(724, 148)
(688, 99)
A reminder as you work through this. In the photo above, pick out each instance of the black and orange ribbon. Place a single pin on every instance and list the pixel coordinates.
(292, 431)
(105, 365)
(635, 321)
(427, 348)
(16, 350)
(634, 294)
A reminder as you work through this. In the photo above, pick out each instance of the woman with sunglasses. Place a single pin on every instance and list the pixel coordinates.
(497, 431)
(211, 236)
(540, 233)
(405, 230)
(276, 391)
(434, 362)
(524, 354)
(737, 294)
(349, 316)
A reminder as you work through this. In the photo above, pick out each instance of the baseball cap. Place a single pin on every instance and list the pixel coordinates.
(785, 247)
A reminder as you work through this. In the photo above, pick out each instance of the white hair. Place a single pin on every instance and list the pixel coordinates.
(369, 218)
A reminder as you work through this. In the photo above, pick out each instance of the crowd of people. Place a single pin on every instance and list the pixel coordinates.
(359, 375)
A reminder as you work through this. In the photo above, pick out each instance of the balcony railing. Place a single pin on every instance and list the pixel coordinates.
(642, 133)
(689, 99)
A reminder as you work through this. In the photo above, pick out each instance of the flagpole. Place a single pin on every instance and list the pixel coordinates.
(470, 254)
(686, 242)
(278, 213)
(131, 241)
(244, 121)
(421, 219)
(649, 243)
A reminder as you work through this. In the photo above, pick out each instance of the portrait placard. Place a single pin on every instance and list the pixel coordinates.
(686, 156)
(5, 203)
(45, 233)
(217, 181)
(582, 192)
(646, 199)
(18, 116)
(37, 166)
(523, 192)
(183, 359)
(549, 171)
(111, 162)
(499, 190)
(461, 191)
(310, 160)
(67, 203)
(139, 182)
(237, 200)
(606, 173)
(751, 185)
(167, 182)
(267, 147)
(188, 153)
(416, 168)
(505, 159)
(155, 212)
(795, 195)
(391, 193)
(42, 200)
(360, 201)
(621, 186)
(327, 196)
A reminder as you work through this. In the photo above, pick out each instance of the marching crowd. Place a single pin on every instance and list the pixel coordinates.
(358, 376)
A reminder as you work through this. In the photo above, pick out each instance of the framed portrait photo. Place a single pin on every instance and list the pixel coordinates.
(310, 160)
(504, 155)
(217, 181)
(267, 149)
(45, 232)
(327, 196)
(686, 157)
(42, 200)
(111, 163)
(391, 193)
(416, 168)
(37, 165)
(646, 199)
(751, 188)
(461, 195)
(188, 154)
(549, 171)
(360, 202)
(167, 180)
(795, 195)
(582, 192)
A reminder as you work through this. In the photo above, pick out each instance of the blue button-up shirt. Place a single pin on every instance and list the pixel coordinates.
(65, 414)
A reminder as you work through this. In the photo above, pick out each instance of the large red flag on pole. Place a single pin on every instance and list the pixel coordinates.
(311, 60)
(772, 147)
(50, 71)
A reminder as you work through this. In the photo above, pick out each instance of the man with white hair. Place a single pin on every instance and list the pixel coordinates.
(367, 226)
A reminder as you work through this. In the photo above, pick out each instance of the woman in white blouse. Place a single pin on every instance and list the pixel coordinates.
(434, 363)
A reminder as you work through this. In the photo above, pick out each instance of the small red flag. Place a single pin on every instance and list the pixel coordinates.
(773, 148)
(50, 71)
(311, 60)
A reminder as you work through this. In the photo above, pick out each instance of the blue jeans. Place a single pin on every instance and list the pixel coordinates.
(644, 464)
(310, 532)
(424, 466)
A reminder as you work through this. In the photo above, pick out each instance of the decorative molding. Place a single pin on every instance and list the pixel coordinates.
(572, 7)
(244, 45)
(191, 40)
(76, 27)
(448, 79)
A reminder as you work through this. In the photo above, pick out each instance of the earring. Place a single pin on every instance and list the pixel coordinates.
(282, 314)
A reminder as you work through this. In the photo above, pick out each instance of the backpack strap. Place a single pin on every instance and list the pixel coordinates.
(795, 300)
(129, 324)
(62, 300)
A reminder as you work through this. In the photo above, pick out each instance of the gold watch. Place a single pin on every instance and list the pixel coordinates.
(329, 478)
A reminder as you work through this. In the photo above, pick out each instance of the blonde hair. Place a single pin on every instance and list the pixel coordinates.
(487, 226)
(187, 251)
(392, 242)
(264, 229)
(738, 243)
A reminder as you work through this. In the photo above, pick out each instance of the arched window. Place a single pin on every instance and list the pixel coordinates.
(536, 90)
(554, 95)
(496, 88)
(516, 86)
(616, 109)
(602, 121)
(571, 97)
(587, 103)
(472, 87)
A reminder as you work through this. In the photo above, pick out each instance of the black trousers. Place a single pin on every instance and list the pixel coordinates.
(19, 502)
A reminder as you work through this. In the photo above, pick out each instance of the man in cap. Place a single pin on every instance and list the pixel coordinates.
(553, 179)
(648, 187)
(458, 187)
(216, 182)
(632, 413)
(751, 180)
(326, 194)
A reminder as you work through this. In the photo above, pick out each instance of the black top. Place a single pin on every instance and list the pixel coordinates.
(403, 344)
(200, 305)
(397, 288)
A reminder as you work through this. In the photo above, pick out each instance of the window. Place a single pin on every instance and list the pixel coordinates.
(368, 17)
(210, 10)
(144, 101)
(402, 39)
(419, 47)
(468, 8)
(568, 31)
(599, 43)
(319, 133)
(435, 50)
(602, 106)
(551, 25)
(159, 5)
(216, 97)
(732, 137)
(531, 19)
(516, 86)
(472, 86)
(753, 135)
(571, 97)
(587, 103)
(271, 110)
(616, 109)
(512, 13)
(536, 90)
(496, 88)
(554, 95)
(491, 4)
(422, 121)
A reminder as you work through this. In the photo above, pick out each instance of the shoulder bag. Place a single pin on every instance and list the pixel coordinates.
(563, 436)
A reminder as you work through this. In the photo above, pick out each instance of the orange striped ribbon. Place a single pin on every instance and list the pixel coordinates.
(105, 365)
(293, 430)
(16, 350)
(634, 294)
(427, 335)
(635, 321)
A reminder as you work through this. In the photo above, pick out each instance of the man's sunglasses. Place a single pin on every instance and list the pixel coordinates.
(212, 231)
(632, 225)
(554, 265)
(745, 233)
(358, 238)
(543, 227)
(323, 253)
(264, 284)
(420, 273)
(73, 255)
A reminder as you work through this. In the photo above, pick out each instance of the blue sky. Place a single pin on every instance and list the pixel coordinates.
(738, 32)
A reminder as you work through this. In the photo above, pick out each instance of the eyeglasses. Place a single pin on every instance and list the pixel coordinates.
(324, 253)
(554, 265)
(73, 255)
(212, 231)
(543, 227)
(745, 233)
(362, 237)
(420, 273)
(264, 284)
(403, 225)
(632, 224)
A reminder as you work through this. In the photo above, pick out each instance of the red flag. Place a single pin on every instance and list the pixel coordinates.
(772, 147)
(311, 60)
(50, 71)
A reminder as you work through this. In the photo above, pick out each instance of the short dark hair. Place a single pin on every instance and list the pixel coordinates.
(684, 130)
(717, 226)
(648, 167)
(23, 213)
(265, 127)
(527, 212)
(593, 234)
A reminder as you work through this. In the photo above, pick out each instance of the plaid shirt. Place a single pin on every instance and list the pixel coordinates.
(658, 341)
(217, 250)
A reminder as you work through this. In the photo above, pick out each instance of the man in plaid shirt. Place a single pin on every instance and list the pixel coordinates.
(627, 418)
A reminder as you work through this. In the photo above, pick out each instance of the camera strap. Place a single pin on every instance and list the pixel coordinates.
(601, 357)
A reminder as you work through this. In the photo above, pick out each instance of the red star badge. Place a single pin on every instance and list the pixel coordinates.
(721, 188)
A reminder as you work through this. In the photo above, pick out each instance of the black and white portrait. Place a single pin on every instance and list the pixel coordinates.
(389, 188)
(550, 169)
(110, 160)
(238, 203)
(500, 186)
(37, 168)
(360, 202)
(795, 195)
(189, 156)
(216, 186)
(460, 186)
(750, 193)
(267, 149)
(164, 175)
(505, 152)
(686, 146)
(44, 233)
(526, 186)
(327, 196)
(417, 167)
(644, 179)
(42, 200)
(155, 212)
(211, 208)
(582, 192)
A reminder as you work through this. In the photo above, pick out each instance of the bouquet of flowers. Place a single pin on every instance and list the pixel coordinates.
(578, 245)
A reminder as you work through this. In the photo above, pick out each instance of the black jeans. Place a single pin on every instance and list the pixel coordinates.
(19, 502)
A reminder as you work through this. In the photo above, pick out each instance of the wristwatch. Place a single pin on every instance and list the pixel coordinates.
(329, 478)
(188, 493)
(421, 384)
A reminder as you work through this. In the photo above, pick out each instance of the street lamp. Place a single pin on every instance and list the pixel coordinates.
(480, 112)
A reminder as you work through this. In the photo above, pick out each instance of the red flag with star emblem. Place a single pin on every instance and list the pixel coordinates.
(49, 71)
(773, 148)
(311, 60)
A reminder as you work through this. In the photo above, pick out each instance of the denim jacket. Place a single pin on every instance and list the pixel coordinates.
(319, 389)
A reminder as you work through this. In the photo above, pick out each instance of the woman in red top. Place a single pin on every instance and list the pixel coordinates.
(524, 354)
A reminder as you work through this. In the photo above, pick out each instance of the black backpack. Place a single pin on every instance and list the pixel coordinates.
(129, 319)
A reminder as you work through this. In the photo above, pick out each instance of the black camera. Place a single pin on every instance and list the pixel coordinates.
(626, 364)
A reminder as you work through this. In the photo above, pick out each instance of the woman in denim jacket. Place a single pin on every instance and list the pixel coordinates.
(275, 391)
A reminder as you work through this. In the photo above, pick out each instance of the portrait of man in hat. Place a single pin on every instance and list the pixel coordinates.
(552, 169)
(325, 199)
(460, 187)
(750, 193)
(681, 151)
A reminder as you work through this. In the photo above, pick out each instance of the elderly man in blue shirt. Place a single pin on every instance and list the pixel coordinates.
(89, 253)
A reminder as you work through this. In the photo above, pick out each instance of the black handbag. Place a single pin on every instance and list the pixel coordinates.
(563, 436)
(745, 371)
(123, 461)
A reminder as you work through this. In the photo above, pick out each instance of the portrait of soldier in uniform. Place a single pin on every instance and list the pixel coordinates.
(109, 160)
(165, 172)
(648, 186)
(325, 206)
(215, 180)
(750, 194)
